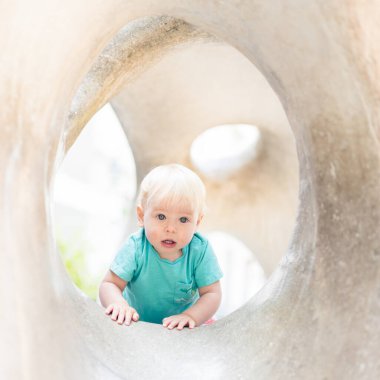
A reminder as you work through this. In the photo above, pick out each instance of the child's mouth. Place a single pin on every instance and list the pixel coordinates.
(168, 243)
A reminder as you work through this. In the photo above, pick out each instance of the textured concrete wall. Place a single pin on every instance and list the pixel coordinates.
(318, 315)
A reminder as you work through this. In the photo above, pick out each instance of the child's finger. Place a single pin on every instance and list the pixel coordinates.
(128, 317)
(115, 313)
(167, 322)
(182, 324)
(120, 318)
(173, 324)
(191, 324)
(109, 309)
(135, 316)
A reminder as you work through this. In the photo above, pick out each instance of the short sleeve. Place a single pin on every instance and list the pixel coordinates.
(207, 270)
(124, 264)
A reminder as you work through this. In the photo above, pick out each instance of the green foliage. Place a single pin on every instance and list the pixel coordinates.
(75, 263)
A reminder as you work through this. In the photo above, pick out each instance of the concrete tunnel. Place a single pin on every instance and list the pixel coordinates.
(312, 71)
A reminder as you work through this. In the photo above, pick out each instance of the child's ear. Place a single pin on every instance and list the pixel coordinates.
(140, 216)
(200, 217)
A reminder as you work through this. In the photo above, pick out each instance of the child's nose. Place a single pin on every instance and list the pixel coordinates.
(170, 227)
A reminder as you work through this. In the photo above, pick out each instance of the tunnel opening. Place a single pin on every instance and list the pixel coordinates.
(163, 106)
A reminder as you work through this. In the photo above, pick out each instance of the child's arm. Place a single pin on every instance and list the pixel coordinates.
(110, 295)
(201, 311)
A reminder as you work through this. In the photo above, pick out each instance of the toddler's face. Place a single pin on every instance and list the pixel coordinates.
(168, 227)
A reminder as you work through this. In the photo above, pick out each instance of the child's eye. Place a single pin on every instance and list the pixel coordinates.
(161, 217)
(183, 219)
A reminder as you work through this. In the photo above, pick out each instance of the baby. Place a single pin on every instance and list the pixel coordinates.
(166, 272)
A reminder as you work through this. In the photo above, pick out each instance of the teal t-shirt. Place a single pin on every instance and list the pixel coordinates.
(158, 288)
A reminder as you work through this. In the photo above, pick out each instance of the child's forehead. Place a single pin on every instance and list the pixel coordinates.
(182, 205)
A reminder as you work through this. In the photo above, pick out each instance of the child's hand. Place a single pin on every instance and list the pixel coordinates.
(122, 313)
(179, 320)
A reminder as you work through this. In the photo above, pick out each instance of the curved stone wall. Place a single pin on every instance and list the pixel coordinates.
(318, 315)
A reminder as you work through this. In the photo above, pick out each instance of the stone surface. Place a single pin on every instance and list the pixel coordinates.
(318, 315)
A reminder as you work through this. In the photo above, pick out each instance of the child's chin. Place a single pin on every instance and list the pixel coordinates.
(169, 247)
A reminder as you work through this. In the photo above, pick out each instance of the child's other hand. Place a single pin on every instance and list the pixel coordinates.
(122, 313)
(179, 320)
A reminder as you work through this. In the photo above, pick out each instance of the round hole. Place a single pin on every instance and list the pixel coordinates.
(222, 150)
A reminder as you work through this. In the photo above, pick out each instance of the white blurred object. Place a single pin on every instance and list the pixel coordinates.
(243, 274)
(220, 151)
(94, 188)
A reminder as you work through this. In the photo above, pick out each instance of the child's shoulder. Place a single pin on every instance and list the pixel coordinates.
(133, 246)
(199, 241)
(135, 240)
(137, 235)
(200, 250)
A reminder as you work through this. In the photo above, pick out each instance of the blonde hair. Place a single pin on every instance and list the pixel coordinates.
(173, 183)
